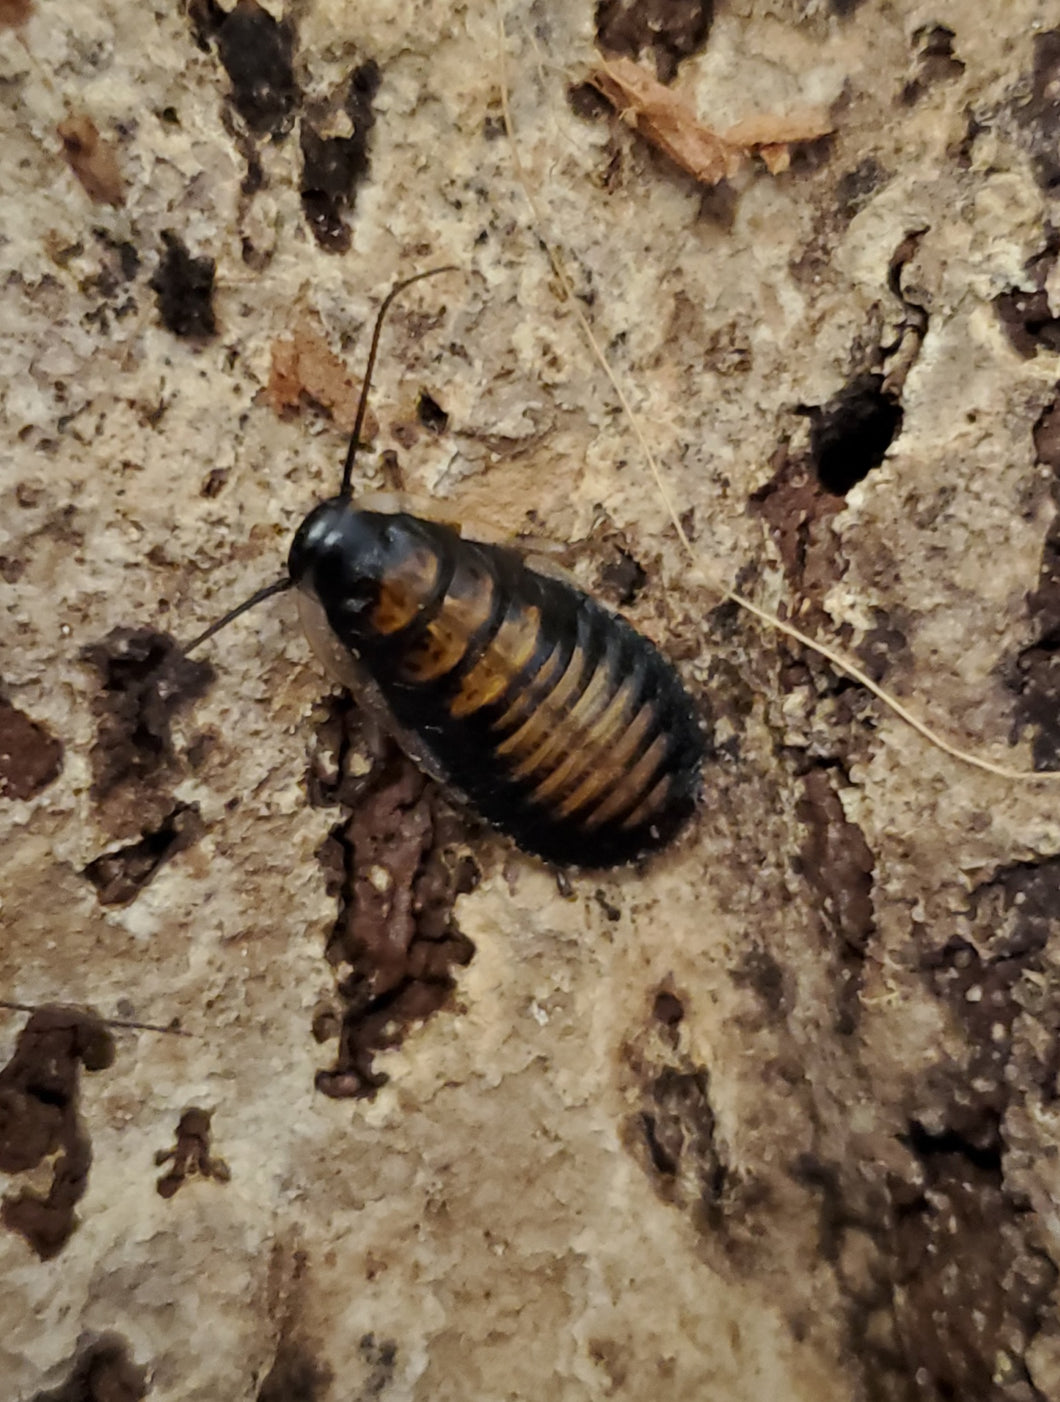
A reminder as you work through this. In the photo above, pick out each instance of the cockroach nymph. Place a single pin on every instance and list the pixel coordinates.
(537, 707)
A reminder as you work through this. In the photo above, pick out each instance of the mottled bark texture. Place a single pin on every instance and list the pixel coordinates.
(776, 1115)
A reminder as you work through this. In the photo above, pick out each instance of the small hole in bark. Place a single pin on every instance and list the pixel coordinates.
(850, 435)
(431, 414)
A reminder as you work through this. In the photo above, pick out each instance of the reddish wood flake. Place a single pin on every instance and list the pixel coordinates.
(14, 12)
(305, 367)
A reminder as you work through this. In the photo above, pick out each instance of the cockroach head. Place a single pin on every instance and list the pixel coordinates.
(339, 553)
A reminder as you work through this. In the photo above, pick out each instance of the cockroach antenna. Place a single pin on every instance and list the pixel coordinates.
(280, 586)
(167, 1029)
(362, 406)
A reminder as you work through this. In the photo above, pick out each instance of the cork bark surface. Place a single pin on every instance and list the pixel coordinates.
(774, 1115)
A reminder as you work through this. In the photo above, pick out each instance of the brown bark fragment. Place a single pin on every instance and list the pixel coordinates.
(666, 121)
(30, 758)
(92, 159)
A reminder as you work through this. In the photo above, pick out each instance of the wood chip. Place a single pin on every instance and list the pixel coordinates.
(668, 123)
(92, 159)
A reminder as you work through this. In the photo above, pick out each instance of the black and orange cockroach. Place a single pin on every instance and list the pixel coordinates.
(540, 709)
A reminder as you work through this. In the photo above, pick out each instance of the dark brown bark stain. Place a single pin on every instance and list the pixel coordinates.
(190, 1156)
(145, 681)
(396, 863)
(1037, 673)
(954, 1281)
(1029, 321)
(673, 1133)
(853, 190)
(886, 643)
(266, 99)
(838, 865)
(759, 971)
(996, 976)
(967, 1292)
(30, 757)
(943, 1272)
(109, 287)
(39, 1118)
(944, 1288)
(295, 1376)
(936, 62)
(1039, 114)
(380, 1358)
(797, 510)
(1026, 314)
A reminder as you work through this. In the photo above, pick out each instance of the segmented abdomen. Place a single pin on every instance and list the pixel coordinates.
(560, 723)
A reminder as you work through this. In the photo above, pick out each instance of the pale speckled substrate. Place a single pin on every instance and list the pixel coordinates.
(493, 1220)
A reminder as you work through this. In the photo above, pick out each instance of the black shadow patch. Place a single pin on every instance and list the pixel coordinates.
(257, 53)
(183, 286)
(334, 167)
(668, 30)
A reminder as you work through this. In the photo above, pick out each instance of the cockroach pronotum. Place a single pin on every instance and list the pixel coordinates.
(543, 711)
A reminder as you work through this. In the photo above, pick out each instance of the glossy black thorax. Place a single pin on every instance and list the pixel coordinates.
(341, 555)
